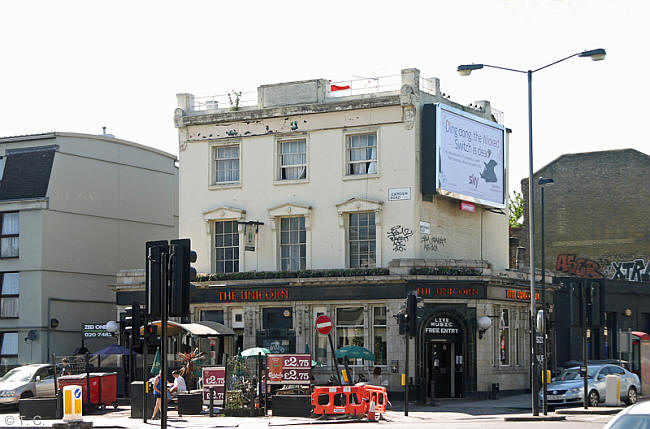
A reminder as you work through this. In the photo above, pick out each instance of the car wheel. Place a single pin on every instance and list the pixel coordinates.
(27, 394)
(631, 396)
(594, 399)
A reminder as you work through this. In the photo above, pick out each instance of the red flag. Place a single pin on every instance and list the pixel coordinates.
(339, 87)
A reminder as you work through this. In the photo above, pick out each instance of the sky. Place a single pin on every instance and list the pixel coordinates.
(77, 66)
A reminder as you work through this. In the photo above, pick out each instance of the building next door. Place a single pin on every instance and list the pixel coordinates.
(443, 338)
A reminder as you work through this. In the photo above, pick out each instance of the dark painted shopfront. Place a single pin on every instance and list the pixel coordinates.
(608, 306)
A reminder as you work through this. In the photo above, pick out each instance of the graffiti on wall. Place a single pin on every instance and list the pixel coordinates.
(399, 237)
(579, 267)
(431, 244)
(633, 271)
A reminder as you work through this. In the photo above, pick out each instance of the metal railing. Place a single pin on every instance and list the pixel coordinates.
(229, 100)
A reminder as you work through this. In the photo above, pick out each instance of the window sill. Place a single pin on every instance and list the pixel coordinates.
(224, 186)
(290, 182)
(361, 176)
(10, 318)
(9, 257)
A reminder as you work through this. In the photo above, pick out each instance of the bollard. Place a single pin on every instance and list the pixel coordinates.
(211, 401)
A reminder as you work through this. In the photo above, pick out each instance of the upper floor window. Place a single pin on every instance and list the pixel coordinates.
(226, 164)
(9, 295)
(9, 235)
(226, 244)
(362, 240)
(8, 344)
(293, 243)
(292, 159)
(362, 154)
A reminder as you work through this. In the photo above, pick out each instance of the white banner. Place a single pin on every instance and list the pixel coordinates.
(471, 157)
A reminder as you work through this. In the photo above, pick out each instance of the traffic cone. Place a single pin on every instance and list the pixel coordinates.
(371, 412)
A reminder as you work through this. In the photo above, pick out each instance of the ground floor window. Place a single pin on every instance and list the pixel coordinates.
(350, 329)
(379, 332)
(8, 344)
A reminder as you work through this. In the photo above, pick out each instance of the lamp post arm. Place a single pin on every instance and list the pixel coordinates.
(505, 68)
(555, 62)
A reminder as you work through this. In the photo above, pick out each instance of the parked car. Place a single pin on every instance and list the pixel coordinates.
(634, 417)
(36, 380)
(568, 387)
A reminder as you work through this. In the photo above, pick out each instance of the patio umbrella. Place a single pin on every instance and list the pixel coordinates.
(355, 352)
(255, 352)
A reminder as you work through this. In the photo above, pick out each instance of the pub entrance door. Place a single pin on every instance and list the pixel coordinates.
(444, 350)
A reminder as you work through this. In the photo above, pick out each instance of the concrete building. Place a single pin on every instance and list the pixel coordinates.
(75, 209)
(314, 201)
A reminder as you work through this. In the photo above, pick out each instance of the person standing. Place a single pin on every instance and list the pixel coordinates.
(65, 367)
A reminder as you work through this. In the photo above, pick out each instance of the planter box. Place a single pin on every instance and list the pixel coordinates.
(243, 412)
(291, 405)
(45, 408)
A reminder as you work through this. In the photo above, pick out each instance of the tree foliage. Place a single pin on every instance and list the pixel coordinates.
(516, 209)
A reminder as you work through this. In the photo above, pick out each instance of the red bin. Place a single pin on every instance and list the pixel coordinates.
(103, 387)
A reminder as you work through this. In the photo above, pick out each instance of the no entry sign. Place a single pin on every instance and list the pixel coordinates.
(324, 324)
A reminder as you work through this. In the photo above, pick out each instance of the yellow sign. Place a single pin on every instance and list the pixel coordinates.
(72, 403)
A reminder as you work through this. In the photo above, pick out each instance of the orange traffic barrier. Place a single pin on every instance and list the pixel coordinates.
(348, 400)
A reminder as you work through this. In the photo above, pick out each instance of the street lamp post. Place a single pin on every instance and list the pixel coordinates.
(465, 70)
(541, 182)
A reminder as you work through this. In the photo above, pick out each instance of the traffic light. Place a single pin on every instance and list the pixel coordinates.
(181, 276)
(154, 249)
(402, 319)
(411, 312)
(151, 334)
(132, 320)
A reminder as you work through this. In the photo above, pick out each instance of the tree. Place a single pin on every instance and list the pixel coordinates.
(516, 209)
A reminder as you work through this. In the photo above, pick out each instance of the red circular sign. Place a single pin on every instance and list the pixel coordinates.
(324, 324)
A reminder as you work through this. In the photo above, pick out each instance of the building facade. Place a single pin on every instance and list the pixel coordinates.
(312, 203)
(597, 236)
(75, 209)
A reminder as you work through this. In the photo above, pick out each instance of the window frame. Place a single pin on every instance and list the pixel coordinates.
(302, 246)
(3, 236)
(375, 325)
(212, 159)
(362, 326)
(278, 180)
(504, 327)
(236, 250)
(347, 161)
(2, 340)
(359, 240)
(10, 295)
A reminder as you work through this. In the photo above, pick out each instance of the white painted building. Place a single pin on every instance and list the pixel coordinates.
(318, 202)
(75, 209)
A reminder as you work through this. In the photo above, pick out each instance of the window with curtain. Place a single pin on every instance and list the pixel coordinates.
(379, 328)
(9, 235)
(9, 295)
(293, 245)
(226, 247)
(226, 164)
(362, 154)
(362, 240)
(8, 344)
(350, 329)
(504, 338)
(292, 159)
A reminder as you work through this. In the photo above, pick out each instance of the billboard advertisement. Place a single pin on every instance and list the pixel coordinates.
(471, 157)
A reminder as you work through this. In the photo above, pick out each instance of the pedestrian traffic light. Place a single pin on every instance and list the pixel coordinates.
(132, 320)
(181, 275)
(411, 311)
(151, 334)
(153, 284)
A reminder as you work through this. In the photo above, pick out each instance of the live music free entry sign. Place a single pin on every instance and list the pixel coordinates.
(288, 368)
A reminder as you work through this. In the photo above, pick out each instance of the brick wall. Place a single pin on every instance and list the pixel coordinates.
(598, 210)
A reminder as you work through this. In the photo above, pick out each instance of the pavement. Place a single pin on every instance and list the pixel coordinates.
(509, 408)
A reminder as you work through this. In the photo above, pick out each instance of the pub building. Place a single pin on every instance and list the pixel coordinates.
(449, 351)
(316, 200)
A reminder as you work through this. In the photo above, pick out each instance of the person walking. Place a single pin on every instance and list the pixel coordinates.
(157, 393)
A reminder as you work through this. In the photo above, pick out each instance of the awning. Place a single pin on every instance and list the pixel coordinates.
(196, 329)
(221, 329)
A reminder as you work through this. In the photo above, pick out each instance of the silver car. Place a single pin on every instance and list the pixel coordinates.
(36, 380)
(568, 387)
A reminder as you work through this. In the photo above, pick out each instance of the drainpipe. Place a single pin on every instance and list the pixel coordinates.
(49, 315)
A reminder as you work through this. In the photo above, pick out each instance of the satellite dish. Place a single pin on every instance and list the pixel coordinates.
(32, 335)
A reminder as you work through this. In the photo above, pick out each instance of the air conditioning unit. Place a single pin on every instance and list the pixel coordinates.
(211, 105)
(238, 318)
